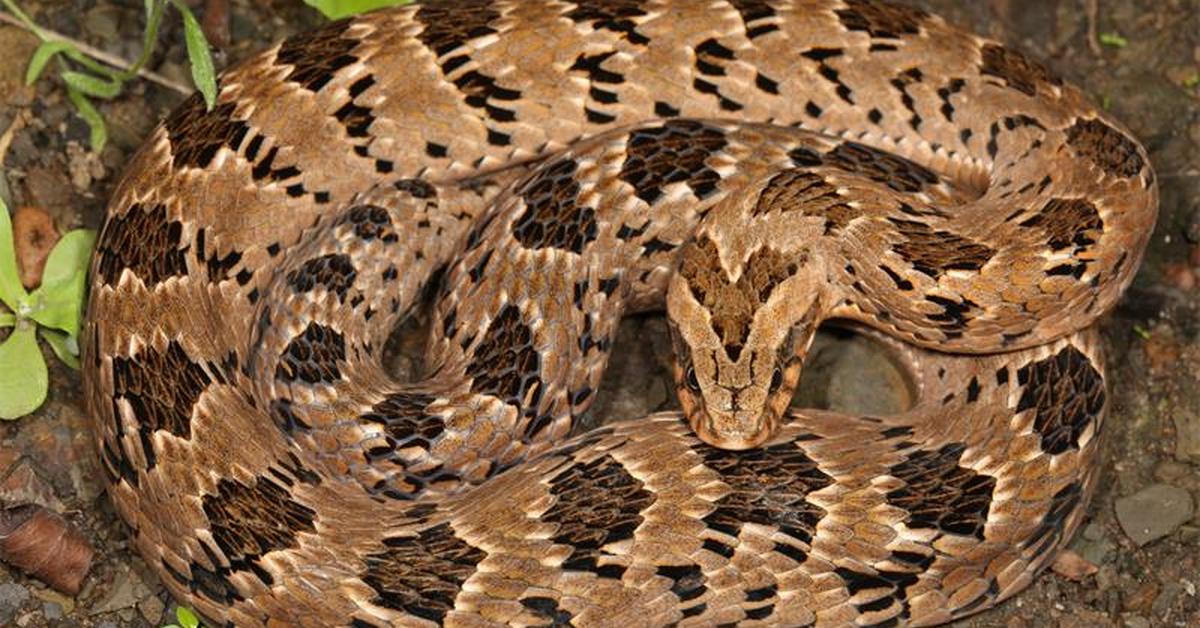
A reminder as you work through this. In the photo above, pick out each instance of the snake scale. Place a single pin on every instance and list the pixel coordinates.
(542, 167)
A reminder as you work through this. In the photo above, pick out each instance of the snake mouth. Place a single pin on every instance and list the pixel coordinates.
(733, 431)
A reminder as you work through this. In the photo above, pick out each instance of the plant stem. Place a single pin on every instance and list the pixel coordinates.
(21, 20)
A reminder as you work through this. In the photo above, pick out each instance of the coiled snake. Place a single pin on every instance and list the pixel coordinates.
(759, 167)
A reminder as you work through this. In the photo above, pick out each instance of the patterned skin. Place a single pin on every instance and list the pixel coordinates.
(755, 167)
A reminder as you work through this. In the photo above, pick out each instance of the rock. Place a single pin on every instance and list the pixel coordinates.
(63, 604)
(152, 609)
(1072, 566)
(1153, 512)
(1136, 621)
(1166, 599)
(1093, 545)
(12, 598)
(84, 166)
(1186, 416)
(122, 594)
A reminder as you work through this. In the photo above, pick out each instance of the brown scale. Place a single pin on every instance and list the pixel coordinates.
(257, 255)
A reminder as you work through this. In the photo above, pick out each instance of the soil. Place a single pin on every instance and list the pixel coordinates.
(1140, 58)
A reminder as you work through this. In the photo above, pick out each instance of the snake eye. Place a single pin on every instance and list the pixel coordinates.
(776, 379)
(692, 382)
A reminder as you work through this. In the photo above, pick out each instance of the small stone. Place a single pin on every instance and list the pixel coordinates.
(1072, 566)
(121, 595)
(1135, 621)
(12, 598)
(1140, 599)
(1153, 512)
(1192, 231)
(152, 609)
(1171, 471)
(1166, 599)
(60, 603)
(84, 166)
(52, 610)
(24, 485)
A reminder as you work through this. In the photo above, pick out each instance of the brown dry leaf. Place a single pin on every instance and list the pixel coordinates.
(34, 235)
(45, 546)
(1072, 566)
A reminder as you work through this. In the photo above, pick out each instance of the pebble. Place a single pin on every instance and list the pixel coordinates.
(123, 594)
(152, 609)
(1153, 512)
(1136, 621)
(1093, 546)
(12, 598)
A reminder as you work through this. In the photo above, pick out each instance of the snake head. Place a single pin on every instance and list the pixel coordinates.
(740, 335)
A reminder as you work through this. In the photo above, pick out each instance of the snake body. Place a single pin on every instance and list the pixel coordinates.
(759, 167)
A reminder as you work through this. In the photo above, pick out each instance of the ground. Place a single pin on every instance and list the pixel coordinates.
(1140, 58)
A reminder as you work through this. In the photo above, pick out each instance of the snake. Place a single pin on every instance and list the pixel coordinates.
(536, 170)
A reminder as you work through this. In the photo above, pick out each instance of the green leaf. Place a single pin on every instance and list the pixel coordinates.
(59, 306)
(70, 254)
(42, 56)
(336, 9)
(186, 618)
(23, 377)
(64, 346)
(7, 319)
(11, 291)
(91, 85)
(58, 303)
(1113, 39)
(204, 76)
(95, 122)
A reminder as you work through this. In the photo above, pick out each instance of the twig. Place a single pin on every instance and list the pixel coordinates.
(1093, 15)
(103, 57)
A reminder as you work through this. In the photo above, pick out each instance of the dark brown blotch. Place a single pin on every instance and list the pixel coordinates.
(769, 487)
(1068, 222)
(1066, 393)
(673, 152)
(1111, 150)
(334, 271)
(595, 503)
(933, 252)
(733, 304)
(406, 419)
(808, 193)
(313, 356)
(250, 521)
(161, 388)
(421, 575)
(881, 20)
(317, 55)
(894, 171)
(1015, 69)
(143, 241)
(612, 15)
(552, 216)
(196, 133)
(506, 365)
(939, 494)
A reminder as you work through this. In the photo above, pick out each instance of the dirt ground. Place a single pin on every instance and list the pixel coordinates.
(1141, 58)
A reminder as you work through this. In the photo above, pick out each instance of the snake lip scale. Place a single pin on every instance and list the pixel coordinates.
(756, 168)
